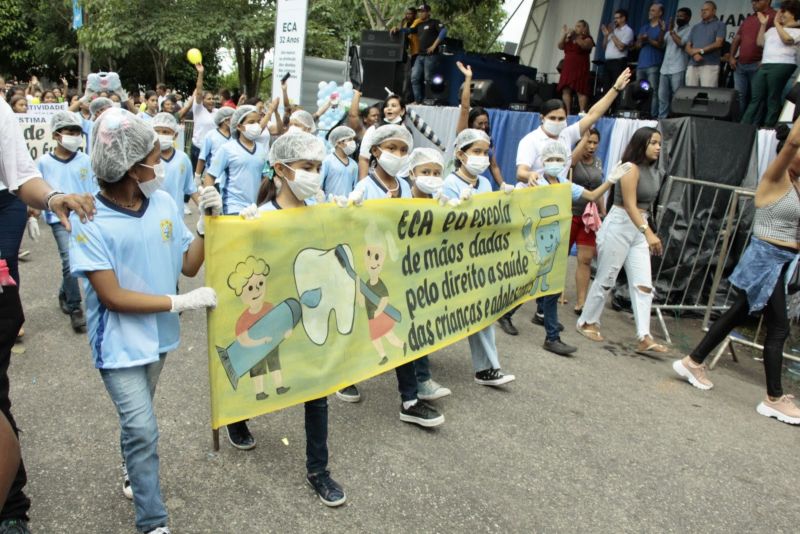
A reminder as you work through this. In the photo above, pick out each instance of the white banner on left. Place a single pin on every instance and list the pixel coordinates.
(35, 125)
(290, 42)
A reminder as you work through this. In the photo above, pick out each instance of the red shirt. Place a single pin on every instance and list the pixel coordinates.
(247, 319)
(232, 104)
(749, 51)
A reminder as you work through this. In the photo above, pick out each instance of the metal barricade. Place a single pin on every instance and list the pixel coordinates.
(702, 217)
(711, 222)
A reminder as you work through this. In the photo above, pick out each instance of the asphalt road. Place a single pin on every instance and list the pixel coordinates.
(606, 441)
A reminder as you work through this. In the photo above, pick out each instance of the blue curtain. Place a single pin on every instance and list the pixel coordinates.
(637, 17)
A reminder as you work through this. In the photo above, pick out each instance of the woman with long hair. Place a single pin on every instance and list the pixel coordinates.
(626, 239)
(577, 44)
(760, 278)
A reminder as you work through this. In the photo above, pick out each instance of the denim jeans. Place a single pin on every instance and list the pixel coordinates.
(620, 243)
(69, 284)
(548, 306)
(652, 75)
(422, 369)
(316, 435)
(483, 349)
(132, 389)
(406, 381)
(743, 83)
(16, 505)
(423, 65)
(668, 84)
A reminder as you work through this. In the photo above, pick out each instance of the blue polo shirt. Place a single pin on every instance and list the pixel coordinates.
(179, 180)
(71, 175)
(144, 249)
(454, 184)
(239, 171)
(337, 178)
(649, 55)
(211, 144)
(374, 189)
(703, 34)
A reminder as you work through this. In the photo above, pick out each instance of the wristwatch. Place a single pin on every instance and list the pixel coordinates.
(643, 228)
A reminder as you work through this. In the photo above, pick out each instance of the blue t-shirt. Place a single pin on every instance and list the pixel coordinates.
(273, 205)
(73, 175)
(577, 190)
(337, 178)
(374, 189)
(454, 184)
(649, 55)
(179, 180)
(239, 171)
(145, 250)
(211, 143)
(86, 127)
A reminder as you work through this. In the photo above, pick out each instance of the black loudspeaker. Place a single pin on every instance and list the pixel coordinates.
(712, 102)
(380, 74)
(485, 94)
(381, 46)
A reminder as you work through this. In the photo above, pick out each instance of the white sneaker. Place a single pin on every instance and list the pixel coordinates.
(159, 530)
(694, 373)
(784, 409)
(186, 210)
(126, 483)
(431, 390)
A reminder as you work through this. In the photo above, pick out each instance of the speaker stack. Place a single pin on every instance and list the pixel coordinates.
(711, 102)
(382, 63)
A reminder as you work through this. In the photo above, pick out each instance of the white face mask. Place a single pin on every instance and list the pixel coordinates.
(349, 147)
(392, 164)
(430, 185)
(252, 131)
(475, 165)
(554, 128)
(165, 141)
(116, 104)
(151, 186)
(305, 184)
(71, 143)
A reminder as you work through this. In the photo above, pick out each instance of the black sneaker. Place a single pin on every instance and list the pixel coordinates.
(493, 377)
(78, 321)
(507, 326)
(62, 303)
(281, 390)
(349, 394)
(329, 491)
(421, 414)
(538, 318)
(559, 347)
(240, 437)
(14, 526)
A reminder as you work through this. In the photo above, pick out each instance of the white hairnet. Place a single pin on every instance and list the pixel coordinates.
(100, 104)
(223, 113)
(340, 133)
(469, 136)
(119, 140)
(238, 115)
(392, 132)
(164, 120)
(64, 119)
(295, 146)
(303, 118)
(554, 149)
(421, 156)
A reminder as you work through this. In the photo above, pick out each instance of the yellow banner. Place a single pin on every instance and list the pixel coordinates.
(314, 299)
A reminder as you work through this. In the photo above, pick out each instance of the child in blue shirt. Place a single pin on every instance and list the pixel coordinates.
(131, 255)
(296, 158)
(67, 169)
(213, 141)
(179, 180)
(240, 164)
(339, 171)
(472, 159)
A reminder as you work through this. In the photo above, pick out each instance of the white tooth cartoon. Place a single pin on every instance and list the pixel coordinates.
(325, 287)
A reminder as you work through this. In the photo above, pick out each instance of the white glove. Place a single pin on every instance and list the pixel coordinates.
(202, 297)
(198, 179)
(356, 197)
(507, 188)
(339, 200)
(619, 170)
(210, 199)
(250, 212)
(33, 228)
(466, 194)
(454, 202)
(441, 198)
(319, 197)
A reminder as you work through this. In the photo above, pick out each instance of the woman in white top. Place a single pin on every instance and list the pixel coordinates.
(777, 64)
(203, 112)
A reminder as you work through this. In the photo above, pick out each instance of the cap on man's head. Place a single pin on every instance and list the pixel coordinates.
(424, 7)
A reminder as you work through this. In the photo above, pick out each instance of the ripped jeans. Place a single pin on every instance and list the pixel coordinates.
(620, 243)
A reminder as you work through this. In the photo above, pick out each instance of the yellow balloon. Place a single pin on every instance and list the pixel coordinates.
(194, 56)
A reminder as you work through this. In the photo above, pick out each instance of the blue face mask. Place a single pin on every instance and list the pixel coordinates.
(553, 169)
